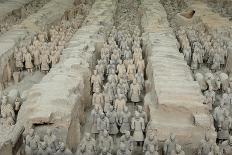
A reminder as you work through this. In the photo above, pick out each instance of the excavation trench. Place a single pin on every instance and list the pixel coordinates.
(26, 81)
(123, 19)
(200, 36)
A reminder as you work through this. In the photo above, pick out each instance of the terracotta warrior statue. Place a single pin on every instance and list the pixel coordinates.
(98, 99)
(103, 123)
(205, 145)
(51, 140)
(135, 92)
(106, 141)
(113, 120)
(95, 114)
(227, 146)
(178, 150)
(169, 144)
(150, 141)
(138, 126)
(125, 120)
(28, 62)
(127, 139)
(18, 59)
(88, 145)
(32, 143)
(123, 150)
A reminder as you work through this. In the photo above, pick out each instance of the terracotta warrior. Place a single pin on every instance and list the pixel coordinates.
(150, 141)
(105, 152)
(205, 145)
(140, 66)
(120, 103)
(43, 149)
(32, 143)
(51, 140)
(169, 144)
(210, 97)
(178, 150)
(135, 92)
(121, 69)
(62, 150)
(18, 59)
(151, 151)
(106, 141)
(215, 150)
(113, 120)
(87, 145)
(224, 127)
(96, 81)
(138, 126)
(7, 109)
(127, 140)
(131, 70)
(98, 99)
(95, 114)
(28, 62)
(227, 146)
(36, 58)
(103, 123)
(125, 120)
(45, 61)
(218, 113)
(123, 150)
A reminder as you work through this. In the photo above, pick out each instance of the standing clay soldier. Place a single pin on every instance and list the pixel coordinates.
(138, 126)
(178, 150)
(7, 109)
(18, 59)
(102, 123)
(87, 146)
(36, 58)
(227, 146)
(55, 56)
(194, 64)
(50, 140)
(105, 152)
(131, 70)
(28, 62)
(140, 66)
(98, 99)
(121, 69)
(224, 127)
(96, 81)
(135, 92)
(123, 150)
(142, 113)
(120, 103)
(32, 142)
(127, 140)
(218, 113)
(205, 145)
(216, 62)
(95, 114)
(150, 141)
(124, 120)
(63, 151)
(151, 151)
(43, 149)
(113, 119)
(215, 150)
(17, 104)
(106, 141)
(169, 144)
(210, 98)
(45, 63)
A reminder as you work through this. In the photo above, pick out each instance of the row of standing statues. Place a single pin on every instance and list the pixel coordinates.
(207, 57)
(44, 50)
